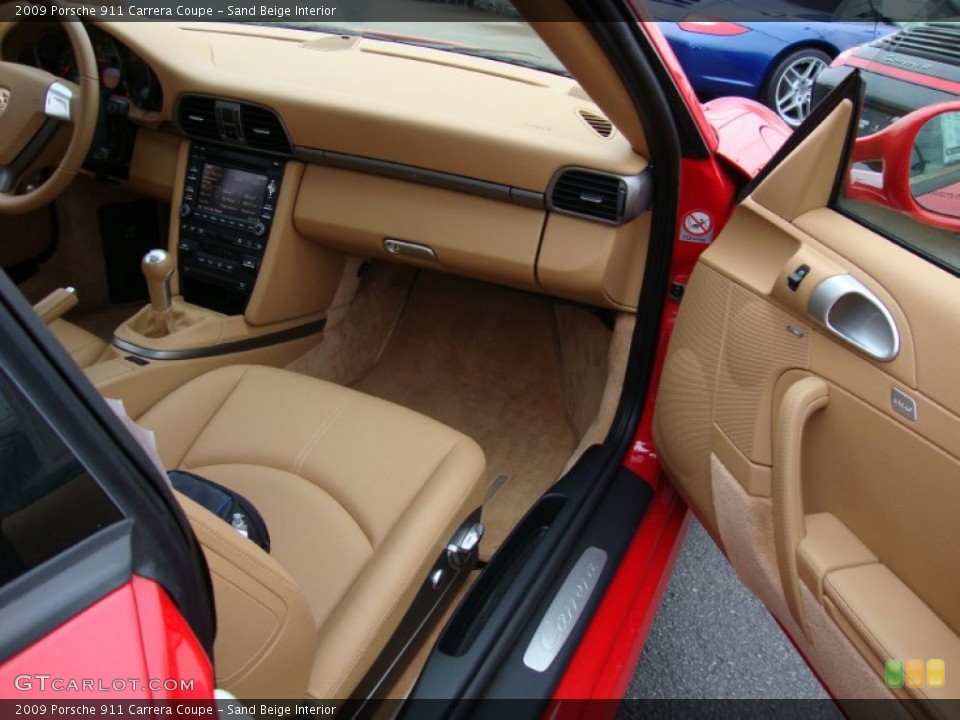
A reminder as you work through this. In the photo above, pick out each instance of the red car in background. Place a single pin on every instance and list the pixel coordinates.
(914, 69)
(790, 377)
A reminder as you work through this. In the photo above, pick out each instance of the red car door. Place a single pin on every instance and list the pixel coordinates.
(104, 593)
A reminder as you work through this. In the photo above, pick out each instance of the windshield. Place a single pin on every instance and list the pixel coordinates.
(483, 28)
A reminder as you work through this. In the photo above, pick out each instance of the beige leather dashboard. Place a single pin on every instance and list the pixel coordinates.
(467, 118)
(453, 113)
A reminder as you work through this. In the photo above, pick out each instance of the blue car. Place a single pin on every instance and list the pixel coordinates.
(771, 60)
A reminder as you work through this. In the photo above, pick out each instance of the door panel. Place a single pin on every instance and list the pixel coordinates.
(830, 478)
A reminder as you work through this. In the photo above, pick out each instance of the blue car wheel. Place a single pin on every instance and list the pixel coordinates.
(789, 90)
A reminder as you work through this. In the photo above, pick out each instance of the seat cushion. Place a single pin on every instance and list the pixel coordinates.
(84, 347)
(360, 495)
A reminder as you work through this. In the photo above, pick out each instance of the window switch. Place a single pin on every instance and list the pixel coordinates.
(797, 276)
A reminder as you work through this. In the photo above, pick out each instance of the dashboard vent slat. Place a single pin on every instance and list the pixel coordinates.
(591, 194)
(232, 122)
(264, 130)
(197, 117)
(599, 124)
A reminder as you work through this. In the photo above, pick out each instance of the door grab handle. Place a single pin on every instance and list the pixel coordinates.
(844, 306)
(802, 399)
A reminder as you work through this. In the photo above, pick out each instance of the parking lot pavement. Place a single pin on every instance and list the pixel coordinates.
(712, 638)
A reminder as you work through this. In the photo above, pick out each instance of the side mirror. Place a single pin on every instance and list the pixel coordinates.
(913, 166)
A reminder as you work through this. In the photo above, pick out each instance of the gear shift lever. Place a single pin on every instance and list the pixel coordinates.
(157, 266)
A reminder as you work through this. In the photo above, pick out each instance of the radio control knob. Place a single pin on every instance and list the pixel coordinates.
(185, 210)
(259, 229)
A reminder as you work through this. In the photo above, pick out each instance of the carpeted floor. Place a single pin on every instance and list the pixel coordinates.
(484, 360)
(524, 375)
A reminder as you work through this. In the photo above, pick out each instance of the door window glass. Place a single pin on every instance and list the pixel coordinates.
(48, 501)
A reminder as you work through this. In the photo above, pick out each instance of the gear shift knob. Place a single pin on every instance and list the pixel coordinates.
(157, 266)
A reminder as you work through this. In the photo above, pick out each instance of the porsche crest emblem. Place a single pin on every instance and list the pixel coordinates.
(4, 101)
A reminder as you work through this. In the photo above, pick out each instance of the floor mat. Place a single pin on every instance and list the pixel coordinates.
(483, 359)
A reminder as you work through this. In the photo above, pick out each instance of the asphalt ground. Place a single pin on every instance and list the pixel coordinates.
(712, 639)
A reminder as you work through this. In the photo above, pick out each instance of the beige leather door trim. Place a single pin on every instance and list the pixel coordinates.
(855, 550)
(802, 399)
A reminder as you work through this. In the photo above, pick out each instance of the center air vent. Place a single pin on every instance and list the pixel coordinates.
(197, 117)
(232, 122)
(263, 129)
(600, 196)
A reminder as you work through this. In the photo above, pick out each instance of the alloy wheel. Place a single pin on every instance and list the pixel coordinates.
(793, 91)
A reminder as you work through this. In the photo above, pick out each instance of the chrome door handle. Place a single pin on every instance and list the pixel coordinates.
(845, 307)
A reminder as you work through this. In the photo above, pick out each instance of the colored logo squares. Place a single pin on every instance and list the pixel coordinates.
(936, 673)
(894, 673)
(910, 673)
(914, 672)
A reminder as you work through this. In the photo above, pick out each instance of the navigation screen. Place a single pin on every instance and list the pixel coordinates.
(231, 192)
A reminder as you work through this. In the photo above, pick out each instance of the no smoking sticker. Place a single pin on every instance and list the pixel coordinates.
(697, 227)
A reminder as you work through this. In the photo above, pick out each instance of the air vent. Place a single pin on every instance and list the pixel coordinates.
(939, 42)
(232, 122)
(613, 199)
(263, 130)
(588, 193)
(197, 117)
(598, 123)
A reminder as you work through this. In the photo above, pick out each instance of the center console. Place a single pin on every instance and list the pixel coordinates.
(229, 199)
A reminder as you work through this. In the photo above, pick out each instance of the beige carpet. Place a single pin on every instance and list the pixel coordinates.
(484, 360)
(358, 333)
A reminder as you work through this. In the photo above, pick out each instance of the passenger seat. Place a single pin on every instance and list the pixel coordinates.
(360, 497)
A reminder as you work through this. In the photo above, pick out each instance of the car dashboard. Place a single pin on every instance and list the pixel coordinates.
(365, 147)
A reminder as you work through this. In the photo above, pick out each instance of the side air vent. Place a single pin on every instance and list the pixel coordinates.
(598, 123)
(197, 117)
(263, 130)
(612, 199)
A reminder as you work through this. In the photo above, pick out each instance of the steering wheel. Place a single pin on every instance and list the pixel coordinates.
(34, 104)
